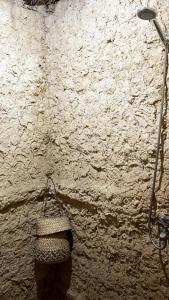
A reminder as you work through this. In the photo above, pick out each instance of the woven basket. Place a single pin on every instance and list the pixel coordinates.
(52, 245)
(39, 2)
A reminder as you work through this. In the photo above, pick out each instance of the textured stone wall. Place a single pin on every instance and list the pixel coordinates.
(105, 75)
(79, 99)
(23, 141)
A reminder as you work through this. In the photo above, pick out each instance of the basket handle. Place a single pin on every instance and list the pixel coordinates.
(49, 178)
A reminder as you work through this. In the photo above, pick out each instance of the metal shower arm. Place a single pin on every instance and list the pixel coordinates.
(160, 33)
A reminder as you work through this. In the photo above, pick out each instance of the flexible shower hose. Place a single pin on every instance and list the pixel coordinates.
(159, 143)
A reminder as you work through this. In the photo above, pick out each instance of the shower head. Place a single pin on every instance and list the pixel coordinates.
(146, 13)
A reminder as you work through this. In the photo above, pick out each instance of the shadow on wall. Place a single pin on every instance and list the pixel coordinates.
(53, 281)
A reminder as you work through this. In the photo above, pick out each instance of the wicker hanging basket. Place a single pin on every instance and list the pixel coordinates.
(52, 244)
(39, 2)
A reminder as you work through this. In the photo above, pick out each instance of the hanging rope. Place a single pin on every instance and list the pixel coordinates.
(46, 196)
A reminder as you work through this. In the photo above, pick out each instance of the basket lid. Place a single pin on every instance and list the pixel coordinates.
(50, 225)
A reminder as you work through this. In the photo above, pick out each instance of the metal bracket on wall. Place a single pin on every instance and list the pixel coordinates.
(163, 222)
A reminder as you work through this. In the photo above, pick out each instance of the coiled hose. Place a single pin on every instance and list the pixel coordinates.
(159, 246)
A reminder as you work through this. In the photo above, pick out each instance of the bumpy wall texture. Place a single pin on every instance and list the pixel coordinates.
(23, 143)
(80, 96)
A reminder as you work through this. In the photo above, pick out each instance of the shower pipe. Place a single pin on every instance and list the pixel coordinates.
(163, 233)
(163, 220)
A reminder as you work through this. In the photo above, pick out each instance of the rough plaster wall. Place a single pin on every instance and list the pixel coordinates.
(105, 74)
(82, 102)
(23, 141)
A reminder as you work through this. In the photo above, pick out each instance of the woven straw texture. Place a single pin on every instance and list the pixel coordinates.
(52, 245)
(52, 248)
(39, 2)
(51, 257)
(52, 225)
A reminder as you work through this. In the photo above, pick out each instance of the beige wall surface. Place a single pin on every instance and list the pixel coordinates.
(80, 96)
